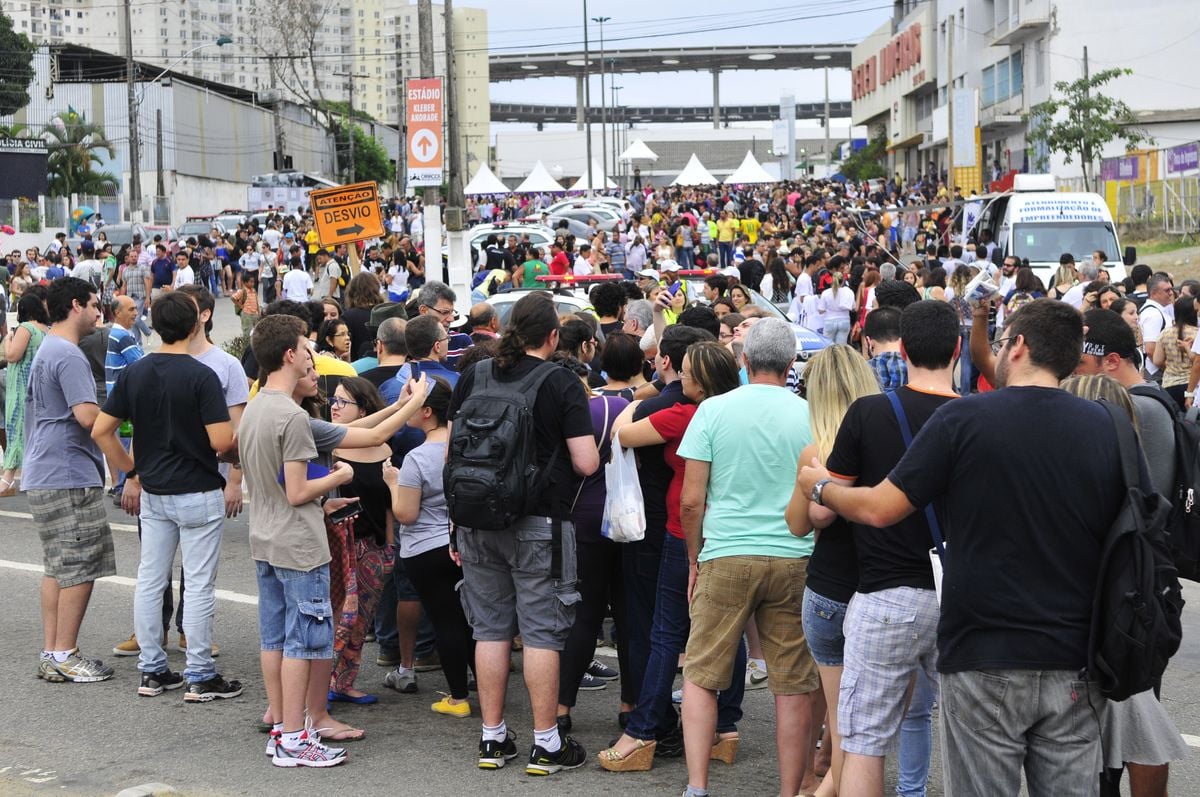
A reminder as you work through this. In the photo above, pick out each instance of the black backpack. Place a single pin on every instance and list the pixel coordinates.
(492, 478)
(1136, 614)
(1183, 524)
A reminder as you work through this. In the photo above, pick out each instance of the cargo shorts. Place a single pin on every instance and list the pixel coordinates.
(513, 582)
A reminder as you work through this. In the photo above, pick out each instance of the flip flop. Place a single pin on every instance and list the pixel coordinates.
(348, 735)
(342, 697)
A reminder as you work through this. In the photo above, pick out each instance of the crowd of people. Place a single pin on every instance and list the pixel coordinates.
(435, 482)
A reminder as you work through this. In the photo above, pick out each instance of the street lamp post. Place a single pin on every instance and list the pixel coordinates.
(619, 170)
(135, 102)
(587, 99)
(603, 105)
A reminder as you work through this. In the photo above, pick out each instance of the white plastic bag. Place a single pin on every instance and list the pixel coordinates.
(624, 509)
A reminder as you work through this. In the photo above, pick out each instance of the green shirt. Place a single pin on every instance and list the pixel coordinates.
(533, 269)
(752, 437)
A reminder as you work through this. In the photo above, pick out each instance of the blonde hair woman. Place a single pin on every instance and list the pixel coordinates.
(834, 379)
(1064, 278)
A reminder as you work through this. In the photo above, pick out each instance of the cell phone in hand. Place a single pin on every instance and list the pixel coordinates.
(10, 320)
(346, 512)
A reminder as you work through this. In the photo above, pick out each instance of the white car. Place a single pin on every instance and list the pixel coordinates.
(565, 301)
(539, 235)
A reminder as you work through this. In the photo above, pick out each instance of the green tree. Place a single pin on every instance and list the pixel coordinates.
(74, 146)
(16, 68)
(1087, 121)
(370, 158)
(867, 163)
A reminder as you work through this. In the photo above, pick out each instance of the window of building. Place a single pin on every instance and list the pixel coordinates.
(1017, 70)
(1002, 92)
(988, 93)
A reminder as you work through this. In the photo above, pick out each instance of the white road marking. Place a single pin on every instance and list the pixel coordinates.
(125, 581)
(114, 526)
(1191, 741)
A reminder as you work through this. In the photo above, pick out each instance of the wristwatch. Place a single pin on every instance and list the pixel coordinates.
(817, 489)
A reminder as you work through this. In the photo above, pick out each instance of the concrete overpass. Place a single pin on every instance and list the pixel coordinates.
(578, 64)
(537, 114)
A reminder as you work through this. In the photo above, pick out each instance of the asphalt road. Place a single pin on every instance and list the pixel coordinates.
(97, 739)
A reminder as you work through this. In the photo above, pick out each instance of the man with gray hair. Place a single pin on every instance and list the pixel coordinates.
(742, 450)
(390, 351)
(1155, 315)
(887, 271)
(1087, 274)
(639, 316)
(437, 299)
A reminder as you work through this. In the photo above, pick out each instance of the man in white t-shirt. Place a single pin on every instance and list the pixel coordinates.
(1156, 315)
(297, 285)
(184, 274)
(1008, 281)
(583, 266)
(331, 271)
(272, 236)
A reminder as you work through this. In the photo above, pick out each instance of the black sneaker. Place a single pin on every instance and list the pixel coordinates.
(569, 756)
(494, 755)
(590, 683)
(155, 683)
(598, 669)
(212, 689)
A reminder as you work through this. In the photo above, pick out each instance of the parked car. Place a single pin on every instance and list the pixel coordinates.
(194, 228)
(169, 235)
(117, 234)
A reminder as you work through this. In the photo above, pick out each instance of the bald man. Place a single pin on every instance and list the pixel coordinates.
(484, 320)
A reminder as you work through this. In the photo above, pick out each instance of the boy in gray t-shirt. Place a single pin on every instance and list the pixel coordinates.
(287, 539)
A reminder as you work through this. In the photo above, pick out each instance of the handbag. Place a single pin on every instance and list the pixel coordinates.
(624, 508)
(938, 552)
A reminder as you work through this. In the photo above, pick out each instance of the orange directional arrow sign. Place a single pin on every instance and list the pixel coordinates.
(347, 213)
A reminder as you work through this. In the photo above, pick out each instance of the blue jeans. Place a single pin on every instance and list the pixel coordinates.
(726, 250)
(640, 563)
(823, 619)
(294, 611)
(140, 328)
(655, 715)
(192, 522)
(916, 741)
(837, 329)
(1000, 722)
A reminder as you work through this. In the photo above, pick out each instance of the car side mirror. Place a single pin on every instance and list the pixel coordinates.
(1130, 255)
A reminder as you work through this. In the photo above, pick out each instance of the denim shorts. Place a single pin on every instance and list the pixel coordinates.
(823, 620)
(405, 591)
(294, 612)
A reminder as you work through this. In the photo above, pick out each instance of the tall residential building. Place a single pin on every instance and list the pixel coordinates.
(470, 72)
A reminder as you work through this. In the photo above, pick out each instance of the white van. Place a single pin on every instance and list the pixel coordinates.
(1035, 222)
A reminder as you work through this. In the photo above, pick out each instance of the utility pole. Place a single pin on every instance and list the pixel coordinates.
(350, 125)
(277, 119)
(828, 153)
(603, 107)
(1087, 167)
(587, 99)
(428, 69)
(950, 104)
(158, 151)
(618, 171)
(453, 151)
(135, 177)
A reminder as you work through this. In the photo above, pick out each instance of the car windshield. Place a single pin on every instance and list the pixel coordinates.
(1046, 243)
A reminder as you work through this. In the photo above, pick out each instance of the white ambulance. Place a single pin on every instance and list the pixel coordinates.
(1038, 223)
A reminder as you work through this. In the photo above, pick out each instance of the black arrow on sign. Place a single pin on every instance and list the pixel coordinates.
(356, 229)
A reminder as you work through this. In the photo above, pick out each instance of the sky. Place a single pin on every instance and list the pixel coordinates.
(671, 23)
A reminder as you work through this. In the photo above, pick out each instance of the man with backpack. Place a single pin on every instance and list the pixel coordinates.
(1022, 561)
(1147, 739)
(520, 440)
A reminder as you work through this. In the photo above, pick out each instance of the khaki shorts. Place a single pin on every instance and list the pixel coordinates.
(731, 590)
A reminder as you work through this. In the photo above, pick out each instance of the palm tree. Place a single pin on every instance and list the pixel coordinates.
(75, 145)
(15, 130)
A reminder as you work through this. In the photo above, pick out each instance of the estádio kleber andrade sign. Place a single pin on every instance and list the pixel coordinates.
(899, 55)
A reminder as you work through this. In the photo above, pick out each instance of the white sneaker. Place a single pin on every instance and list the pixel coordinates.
(756, 676)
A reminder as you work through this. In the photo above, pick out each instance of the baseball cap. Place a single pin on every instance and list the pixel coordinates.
(87, 246)
(648, 272)
(670, 265)
(1107, 333)
(385, 310)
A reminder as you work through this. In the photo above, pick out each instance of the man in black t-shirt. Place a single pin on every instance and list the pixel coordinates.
(894, 573)
(1022, 560)
(181, 423)
(640, 560)
(509, 579)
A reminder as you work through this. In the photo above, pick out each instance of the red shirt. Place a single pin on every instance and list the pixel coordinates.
(671, 423)
(559, 265)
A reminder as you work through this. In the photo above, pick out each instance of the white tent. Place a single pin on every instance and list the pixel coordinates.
(695, 174)
(538, 180)
(597, 177)
(485, 182)
(751, 171)
(638, 151)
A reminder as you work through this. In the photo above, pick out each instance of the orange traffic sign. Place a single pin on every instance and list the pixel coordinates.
(347, 213)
